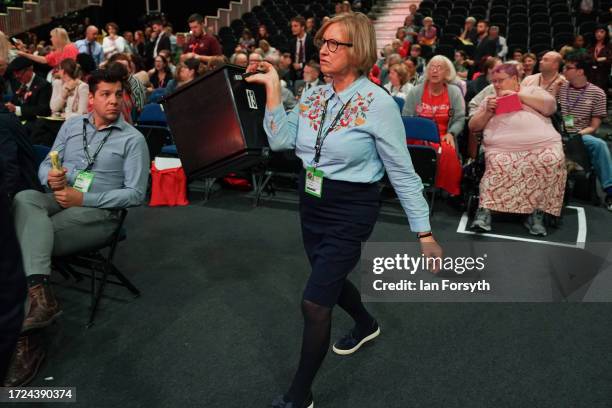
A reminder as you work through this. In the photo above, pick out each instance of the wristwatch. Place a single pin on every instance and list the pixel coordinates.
(424, 235)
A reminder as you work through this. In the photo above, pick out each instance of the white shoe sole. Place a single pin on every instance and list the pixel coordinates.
(361, 343)
(311, 405)
(541, 234)
(481, 227)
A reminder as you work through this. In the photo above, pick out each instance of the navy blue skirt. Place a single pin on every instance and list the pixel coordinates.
(333, 229)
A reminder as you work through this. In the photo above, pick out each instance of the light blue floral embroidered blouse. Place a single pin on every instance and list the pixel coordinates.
(368, 138)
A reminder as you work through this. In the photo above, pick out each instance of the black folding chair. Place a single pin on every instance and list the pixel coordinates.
(281, 164)
(99, 267)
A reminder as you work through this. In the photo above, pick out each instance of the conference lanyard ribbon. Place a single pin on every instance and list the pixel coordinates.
(320, 136)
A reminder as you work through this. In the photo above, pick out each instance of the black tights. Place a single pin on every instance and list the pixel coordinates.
(315, 339)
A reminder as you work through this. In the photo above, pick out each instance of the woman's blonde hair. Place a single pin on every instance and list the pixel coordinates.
(402, 72)
(451, 73)
(264, 45)
(62, 34)
(360, 32)
(529, 55)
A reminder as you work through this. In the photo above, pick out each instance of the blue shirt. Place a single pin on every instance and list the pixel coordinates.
(368, 139)
(121, 170)
(97, 52)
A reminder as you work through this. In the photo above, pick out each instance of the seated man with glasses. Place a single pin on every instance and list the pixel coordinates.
(105, 162)
(583, 105)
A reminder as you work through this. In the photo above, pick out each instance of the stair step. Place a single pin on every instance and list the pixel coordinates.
(389, 17)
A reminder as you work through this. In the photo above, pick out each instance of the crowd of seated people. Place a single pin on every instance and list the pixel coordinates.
(479, 52)
(525, 163)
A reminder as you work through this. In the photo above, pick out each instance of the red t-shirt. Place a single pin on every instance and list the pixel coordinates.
(404, 49)
(55, 57)
(437, 108)
(203, 45)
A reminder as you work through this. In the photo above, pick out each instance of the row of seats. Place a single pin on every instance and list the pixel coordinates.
(276, 16)
(535, 25)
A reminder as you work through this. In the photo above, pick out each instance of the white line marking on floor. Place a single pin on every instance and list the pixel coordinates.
(580, 239)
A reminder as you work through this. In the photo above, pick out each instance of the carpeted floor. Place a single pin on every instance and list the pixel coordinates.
(219, 325)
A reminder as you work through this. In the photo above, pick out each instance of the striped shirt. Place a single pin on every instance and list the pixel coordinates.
(583, 104)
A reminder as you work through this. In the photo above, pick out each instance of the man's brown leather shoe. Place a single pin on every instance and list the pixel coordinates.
(44, 308)
(26, 361)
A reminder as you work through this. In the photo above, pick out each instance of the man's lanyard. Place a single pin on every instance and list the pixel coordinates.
(320, 137)
(578, 98)
(549, 84)
(91, 160)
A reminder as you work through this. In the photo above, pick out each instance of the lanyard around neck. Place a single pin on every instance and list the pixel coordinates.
(578, 98)
(92, 159)
(320, 136)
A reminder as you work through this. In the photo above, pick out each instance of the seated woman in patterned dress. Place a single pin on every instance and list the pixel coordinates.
(525, 165)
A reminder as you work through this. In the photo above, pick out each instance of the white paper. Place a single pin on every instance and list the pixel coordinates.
(163, 163)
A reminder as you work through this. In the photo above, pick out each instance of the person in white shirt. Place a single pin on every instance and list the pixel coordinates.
(549, 78)
(502, 46)
(398, 84)
(113, 43)
(312, 71)
(267, 49)
(70, 95)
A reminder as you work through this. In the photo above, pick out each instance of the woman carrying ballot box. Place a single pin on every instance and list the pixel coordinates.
(347, 133)
(525, 165)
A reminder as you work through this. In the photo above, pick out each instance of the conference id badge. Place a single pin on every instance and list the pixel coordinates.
(314, 182)
(83, 181)
(568, 120)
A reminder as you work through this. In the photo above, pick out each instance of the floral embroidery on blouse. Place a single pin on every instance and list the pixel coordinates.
(355, 113)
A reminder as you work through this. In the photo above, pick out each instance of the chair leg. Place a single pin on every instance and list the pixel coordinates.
(125, 281)
(97, 294)
(208, 185)
(261, 185)
(62, 270)
(66, 270)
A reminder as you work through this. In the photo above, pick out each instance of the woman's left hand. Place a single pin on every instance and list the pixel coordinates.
(450, 139)
(431, 249)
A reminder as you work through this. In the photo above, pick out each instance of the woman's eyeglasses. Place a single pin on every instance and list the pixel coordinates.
(332, 45)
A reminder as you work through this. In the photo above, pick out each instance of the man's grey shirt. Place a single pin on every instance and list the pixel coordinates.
(121, 169)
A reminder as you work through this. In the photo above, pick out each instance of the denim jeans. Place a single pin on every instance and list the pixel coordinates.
(601, 159)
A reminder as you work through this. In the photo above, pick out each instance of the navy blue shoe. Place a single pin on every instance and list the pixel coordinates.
(283, 402)
(352, 341)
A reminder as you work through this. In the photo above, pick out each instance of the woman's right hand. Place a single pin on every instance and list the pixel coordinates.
(491, 104)
(268, 77)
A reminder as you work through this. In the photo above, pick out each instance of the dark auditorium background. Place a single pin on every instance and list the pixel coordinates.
(175, 277)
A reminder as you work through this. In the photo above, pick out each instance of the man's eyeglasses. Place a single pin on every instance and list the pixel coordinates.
(332, 45)
(568, 68)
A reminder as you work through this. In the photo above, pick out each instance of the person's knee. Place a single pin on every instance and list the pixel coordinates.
(594, 143)
(28, 197)
(314, 312)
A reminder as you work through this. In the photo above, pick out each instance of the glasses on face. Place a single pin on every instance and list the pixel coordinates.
(436, 67)
(499, 80)
(568, 68)
(332, 45)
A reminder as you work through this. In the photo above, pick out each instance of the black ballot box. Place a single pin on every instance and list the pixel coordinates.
(217, 123)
